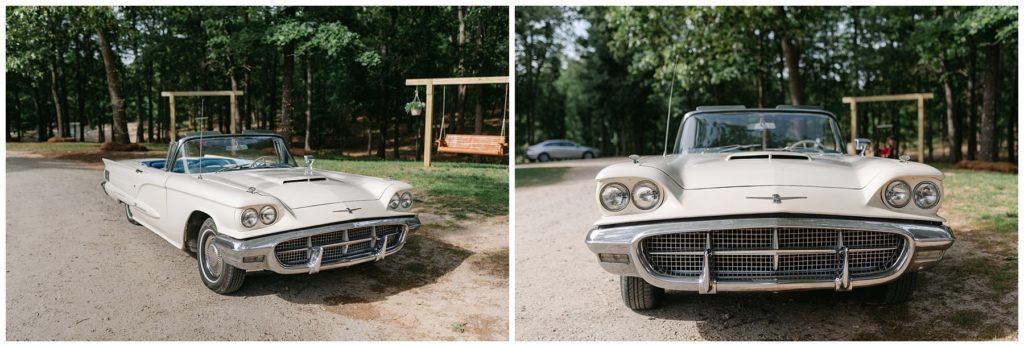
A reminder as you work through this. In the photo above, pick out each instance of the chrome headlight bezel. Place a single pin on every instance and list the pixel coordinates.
(924, 185)
(394, 203)
(265, 211)
(405, 200)
(637, 195)
(888, 194)
(624, 193)
(249, 214)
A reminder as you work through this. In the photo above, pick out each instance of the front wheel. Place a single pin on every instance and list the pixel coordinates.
(216, 274)
(898, 291)
(638, 295)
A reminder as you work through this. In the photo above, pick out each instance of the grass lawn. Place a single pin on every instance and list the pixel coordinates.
(59, 147)
(985, 200)
(528, 177)
(456, 189)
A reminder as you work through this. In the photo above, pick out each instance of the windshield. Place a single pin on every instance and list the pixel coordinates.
(216, 154)
(747, 131)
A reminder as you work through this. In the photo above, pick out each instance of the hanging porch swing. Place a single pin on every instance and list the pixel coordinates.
(492, 145)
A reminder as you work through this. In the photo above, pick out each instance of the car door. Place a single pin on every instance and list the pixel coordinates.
(150, 193)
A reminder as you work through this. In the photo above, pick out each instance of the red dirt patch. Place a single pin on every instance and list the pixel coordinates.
(117, 147)
(987, 166)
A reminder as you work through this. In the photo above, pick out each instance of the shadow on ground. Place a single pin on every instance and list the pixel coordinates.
(422, 261)
(968, 298)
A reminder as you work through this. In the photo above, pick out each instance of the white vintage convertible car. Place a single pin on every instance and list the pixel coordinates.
(241, 203)
(766, 200)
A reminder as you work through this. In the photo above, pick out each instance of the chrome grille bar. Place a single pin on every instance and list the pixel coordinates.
(773, 254)
(339, 246)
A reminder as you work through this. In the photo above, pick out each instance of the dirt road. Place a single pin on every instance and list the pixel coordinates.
(563, 294)
(76, 270)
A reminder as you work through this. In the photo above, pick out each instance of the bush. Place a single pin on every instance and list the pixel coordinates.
(57, 139)
(997, 166)
(117, 147)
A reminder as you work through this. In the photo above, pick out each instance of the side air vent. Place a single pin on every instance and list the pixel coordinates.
(314, 179)
(770, 156)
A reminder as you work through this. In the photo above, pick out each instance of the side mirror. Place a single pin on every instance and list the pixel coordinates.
(635, 158)
(862, 145)
(309, 163)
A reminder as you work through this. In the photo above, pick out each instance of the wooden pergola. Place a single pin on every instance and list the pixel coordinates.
(919, 97)
(232, 94)
(430, 83)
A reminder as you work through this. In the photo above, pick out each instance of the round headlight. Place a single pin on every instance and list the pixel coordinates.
(249, 218)
(614, 197)
(268, 214)
(897, 194)
(926, 195)
(393, 204)
(406, 200)
(646, 195)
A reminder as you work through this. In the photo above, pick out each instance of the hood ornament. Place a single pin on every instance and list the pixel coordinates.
(309, 163)
(776, 198)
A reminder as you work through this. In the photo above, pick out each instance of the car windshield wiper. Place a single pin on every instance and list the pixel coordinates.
(729, 148)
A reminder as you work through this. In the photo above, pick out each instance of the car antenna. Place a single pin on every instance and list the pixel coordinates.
(668, 117)
(202, 125)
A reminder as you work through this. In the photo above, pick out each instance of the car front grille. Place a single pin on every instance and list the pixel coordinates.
(341, 245)
(773, 254)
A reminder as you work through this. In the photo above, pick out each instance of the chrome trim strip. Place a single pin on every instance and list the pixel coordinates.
(626, 240)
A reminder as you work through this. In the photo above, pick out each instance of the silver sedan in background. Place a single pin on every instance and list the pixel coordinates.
(560, 149)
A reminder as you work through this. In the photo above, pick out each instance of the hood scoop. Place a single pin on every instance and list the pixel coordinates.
(304, 179)
(769, 156)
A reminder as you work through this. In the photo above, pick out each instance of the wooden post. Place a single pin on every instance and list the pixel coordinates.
(233, 115)
(920, 129)
(853, 124)
(428, 129)
(173, 132)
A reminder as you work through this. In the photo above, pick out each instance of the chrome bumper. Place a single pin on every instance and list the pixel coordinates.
(619, 246)
(258, 253)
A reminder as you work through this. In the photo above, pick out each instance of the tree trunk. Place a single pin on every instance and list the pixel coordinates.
(952, 121)
(54, 91)
(119, 126)
(989, 146)
(288, 70)
(796, 95)
(80, 96)
(41, 126)
(149, 101)
(460, 102)
(309, 100)
(972, 121)
(1011, 121)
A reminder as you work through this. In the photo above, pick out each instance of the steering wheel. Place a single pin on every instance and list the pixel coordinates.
(263, 159)
(803, 144)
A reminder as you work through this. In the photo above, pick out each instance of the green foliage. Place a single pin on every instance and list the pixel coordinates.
(614, 68)
(359, 58)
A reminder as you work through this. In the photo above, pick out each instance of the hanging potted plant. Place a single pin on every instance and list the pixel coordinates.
(415, 107)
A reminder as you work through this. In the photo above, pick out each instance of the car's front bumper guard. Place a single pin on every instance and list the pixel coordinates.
(927, 244)
(258, 253)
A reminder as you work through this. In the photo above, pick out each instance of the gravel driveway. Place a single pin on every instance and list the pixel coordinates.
(563, 294)
(77, 270)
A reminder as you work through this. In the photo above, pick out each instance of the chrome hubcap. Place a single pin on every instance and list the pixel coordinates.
(211, 257)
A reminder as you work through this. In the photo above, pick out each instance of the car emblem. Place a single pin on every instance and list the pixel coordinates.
(349, 210)
(776, 198)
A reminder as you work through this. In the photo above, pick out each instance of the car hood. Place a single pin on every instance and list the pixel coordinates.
(295, 188)
(751, 169)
